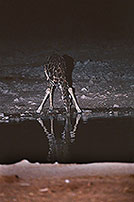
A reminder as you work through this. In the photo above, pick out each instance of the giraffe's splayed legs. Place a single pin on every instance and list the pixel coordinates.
(51, 98)
(44, 100)
(70, 90)
(58, 71)
(49, 92)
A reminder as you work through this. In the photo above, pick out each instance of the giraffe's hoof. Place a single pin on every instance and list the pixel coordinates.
(79, 112)
(38, 111)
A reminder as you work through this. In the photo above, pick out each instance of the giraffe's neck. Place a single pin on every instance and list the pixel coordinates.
(66, 96)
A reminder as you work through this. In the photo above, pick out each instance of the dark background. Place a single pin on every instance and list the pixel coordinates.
(67, 19)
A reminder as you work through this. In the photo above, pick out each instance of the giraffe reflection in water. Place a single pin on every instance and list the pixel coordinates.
(58, 148)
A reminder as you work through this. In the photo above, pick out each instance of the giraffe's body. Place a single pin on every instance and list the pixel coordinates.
(58, 73)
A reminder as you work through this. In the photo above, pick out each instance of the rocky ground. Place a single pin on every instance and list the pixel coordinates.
(94, 189)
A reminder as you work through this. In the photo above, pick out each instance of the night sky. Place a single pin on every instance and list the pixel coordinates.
(60, 18)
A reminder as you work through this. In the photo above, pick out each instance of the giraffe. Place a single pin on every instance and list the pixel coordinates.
(58, 70)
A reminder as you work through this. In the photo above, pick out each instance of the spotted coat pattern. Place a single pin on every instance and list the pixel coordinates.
(55, 70)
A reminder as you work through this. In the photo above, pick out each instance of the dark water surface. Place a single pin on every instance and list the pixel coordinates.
(69, 140)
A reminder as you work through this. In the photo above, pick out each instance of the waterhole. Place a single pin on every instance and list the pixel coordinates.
(68, 140)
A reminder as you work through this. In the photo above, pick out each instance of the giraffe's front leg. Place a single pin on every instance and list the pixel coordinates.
(43, 102)
(51, 98)
(70, 90)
